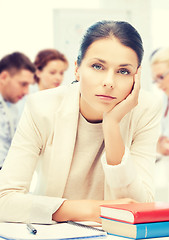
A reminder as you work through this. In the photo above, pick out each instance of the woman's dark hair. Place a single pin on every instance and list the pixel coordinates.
(123, 31)
(45, 56)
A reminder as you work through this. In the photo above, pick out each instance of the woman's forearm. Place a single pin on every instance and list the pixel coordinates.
(114, 145)
(83, 210)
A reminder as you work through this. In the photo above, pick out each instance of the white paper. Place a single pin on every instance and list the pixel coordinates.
(55, 231)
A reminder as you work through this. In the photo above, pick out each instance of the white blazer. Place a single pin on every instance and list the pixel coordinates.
(45, 140)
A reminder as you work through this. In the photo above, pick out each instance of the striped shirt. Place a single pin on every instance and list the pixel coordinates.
(8, 122)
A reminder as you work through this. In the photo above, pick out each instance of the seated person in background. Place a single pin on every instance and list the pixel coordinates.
(51, 65)
(160, 74)
(92, 143)
(16, 73)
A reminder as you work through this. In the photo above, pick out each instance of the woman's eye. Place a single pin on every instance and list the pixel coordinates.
(97, 66)
(124, 71)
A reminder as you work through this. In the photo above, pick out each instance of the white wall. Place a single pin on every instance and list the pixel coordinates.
(27, 25)
(159, 23)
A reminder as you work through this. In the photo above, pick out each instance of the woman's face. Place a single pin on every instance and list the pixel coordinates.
(106, 77)
(52, 74)
(160, 74)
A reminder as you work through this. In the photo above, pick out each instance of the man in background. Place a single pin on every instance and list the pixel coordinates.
(16, 74)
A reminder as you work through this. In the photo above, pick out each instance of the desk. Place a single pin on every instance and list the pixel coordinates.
(55, 231)
(111, 237)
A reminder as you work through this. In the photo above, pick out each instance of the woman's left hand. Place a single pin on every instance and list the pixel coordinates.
(123, 107)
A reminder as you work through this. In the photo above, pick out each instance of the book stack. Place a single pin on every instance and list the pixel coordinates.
(136, 220)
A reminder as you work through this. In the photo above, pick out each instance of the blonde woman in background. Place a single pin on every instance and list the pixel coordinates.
(51, 65)
(160, 74)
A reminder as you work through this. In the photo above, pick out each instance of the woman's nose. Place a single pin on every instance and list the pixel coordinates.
(109, 80)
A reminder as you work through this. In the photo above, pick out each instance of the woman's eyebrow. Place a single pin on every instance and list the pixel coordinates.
(100, 60)
(126, 65)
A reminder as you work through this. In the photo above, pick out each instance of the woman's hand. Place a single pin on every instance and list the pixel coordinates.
(123, 107)
(84, 210)
(114, 145)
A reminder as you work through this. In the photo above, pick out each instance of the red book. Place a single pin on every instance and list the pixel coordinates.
(137, 212)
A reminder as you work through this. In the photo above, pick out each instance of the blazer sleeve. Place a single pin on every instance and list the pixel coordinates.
(134, 177)
(16, 203)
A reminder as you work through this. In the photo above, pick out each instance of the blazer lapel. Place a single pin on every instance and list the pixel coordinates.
(66, 121)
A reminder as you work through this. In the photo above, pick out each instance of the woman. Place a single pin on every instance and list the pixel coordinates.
(51, 65)
(160, 74)
(92, 142)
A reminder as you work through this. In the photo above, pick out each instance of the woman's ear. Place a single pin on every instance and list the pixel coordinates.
(77, 77)
(38, 73)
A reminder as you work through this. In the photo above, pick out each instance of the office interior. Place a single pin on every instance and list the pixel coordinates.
(31, 25)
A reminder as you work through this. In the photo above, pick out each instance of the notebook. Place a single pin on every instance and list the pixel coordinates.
(56, 231)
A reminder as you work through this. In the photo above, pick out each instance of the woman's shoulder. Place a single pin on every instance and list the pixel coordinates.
(51, 99)
(48, 94)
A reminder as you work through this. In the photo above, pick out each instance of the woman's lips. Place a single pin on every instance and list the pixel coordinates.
(105, 97)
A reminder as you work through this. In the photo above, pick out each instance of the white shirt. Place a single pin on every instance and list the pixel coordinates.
(87, 156)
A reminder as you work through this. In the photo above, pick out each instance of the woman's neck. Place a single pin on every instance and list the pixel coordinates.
(89, 113)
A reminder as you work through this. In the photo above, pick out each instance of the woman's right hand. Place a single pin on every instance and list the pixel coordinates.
(84, 210)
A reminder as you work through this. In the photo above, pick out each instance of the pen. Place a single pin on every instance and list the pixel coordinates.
(31, 229)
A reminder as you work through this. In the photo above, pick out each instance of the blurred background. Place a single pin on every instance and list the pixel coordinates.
(32, 25)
